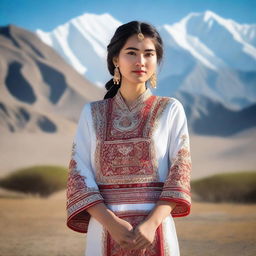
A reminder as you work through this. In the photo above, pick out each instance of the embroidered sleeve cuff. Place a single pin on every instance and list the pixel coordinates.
(78, 217)
(182, 200)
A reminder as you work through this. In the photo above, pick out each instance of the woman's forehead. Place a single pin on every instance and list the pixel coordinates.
(134, 42)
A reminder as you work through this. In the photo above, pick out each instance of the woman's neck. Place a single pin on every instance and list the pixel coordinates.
(131, 93)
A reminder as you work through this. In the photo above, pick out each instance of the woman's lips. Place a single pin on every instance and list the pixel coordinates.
(139, 71)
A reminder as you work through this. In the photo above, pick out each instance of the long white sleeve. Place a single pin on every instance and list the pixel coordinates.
(177, 185)
(82, 190)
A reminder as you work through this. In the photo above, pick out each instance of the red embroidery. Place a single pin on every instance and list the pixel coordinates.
(124, 151)
(79, 197)
(72, 164)
(179, 174)
(75, 182)
(112, 248)
(115, 129)
(126, 158)
(131, 193)
(177, 185)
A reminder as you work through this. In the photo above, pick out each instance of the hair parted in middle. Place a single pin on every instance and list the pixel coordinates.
(119, 39)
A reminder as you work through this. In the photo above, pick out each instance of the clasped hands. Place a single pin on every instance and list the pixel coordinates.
(130, 238)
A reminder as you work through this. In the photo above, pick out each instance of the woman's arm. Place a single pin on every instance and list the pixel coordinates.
(160, 212)
(119, 229)
(145, 231)
(175, 197)
(177, 184)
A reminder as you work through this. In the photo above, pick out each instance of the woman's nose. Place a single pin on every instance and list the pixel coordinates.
(140, 60)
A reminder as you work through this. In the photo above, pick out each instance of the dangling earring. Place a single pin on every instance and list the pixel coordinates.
(153, 80)
(117, 76)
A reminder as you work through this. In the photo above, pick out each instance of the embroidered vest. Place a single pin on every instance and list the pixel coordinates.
(124, 148)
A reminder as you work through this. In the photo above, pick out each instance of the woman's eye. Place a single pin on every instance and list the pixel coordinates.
(149, 54)
(131, 53)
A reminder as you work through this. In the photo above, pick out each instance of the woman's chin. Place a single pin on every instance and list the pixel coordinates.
(135, 81)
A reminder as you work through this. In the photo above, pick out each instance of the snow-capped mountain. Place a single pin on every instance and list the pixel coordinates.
(82, 43)
(40, 92)
(205, 54)
(210, 56)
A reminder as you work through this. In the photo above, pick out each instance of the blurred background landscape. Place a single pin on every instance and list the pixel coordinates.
(54, 61)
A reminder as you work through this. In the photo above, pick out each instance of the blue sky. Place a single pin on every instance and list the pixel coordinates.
(48, 14)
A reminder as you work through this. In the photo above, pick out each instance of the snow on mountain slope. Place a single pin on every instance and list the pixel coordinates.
(222, 38)
(82, 42)
(247, 33)
(205, 54)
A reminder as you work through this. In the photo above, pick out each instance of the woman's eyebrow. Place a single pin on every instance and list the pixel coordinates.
(135, 49)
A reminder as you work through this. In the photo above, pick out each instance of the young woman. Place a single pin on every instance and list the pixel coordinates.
(129, 174)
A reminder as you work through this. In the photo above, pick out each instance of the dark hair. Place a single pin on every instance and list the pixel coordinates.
(119, 39)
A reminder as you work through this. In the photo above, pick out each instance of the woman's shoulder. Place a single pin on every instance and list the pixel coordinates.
(89, 108)
(89, 105)
(172, 102)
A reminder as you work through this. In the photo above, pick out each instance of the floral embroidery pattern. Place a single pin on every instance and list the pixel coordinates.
(133, 159)
(125, 152)
(177, 185)
(79, 197)
(76, 182)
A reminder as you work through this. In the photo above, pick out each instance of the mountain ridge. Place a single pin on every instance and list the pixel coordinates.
(49, 85)
(220, 46)
(37, 86)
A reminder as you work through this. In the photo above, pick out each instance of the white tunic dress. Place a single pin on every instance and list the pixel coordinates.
(129, 158)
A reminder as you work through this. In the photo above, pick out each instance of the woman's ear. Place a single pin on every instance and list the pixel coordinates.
(115, 60)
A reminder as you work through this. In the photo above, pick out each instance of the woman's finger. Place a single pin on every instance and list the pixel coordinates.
(140, 240)
(141, 244)
(126, 245)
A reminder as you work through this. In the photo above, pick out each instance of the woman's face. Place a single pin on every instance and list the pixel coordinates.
(137, 60)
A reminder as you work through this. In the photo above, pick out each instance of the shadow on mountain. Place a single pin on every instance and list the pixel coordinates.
(173, 82)
(3, 109)
(6, 32)
(209, 117)
(46, 125)
(54, 79)
(19, 118)
(22, 117)
(18, 85)
(35, 79)
(20, 40)
(14, 120)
